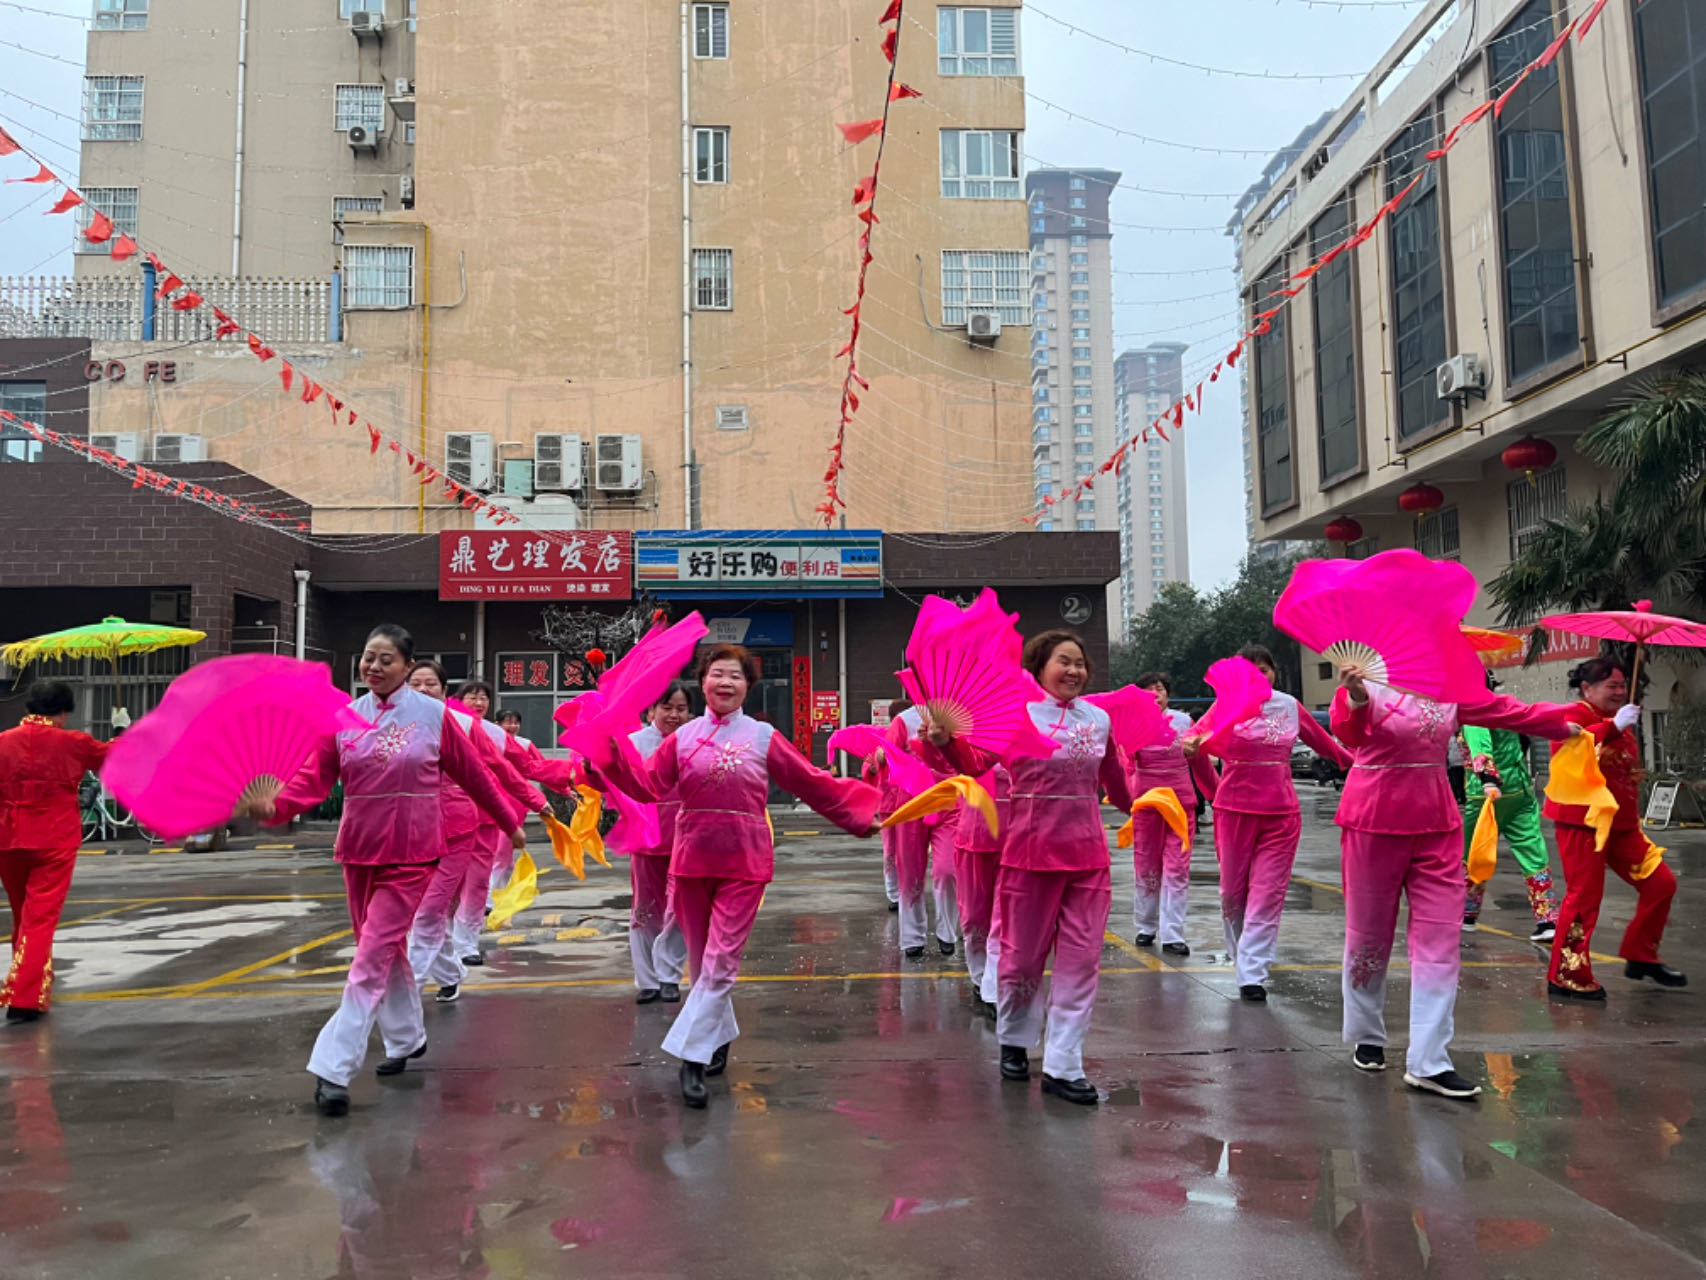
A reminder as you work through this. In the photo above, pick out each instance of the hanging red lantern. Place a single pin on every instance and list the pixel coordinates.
(1421, 498)
(1343, 529)
(1530, 454)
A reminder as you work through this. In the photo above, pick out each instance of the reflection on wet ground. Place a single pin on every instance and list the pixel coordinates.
(158, 1125)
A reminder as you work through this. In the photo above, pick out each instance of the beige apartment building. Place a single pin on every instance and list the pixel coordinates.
(1553, 258)
(599, 272)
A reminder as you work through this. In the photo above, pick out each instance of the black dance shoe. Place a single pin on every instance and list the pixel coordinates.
(894, 906)
(946, 948)
(1369, 1057)
(1254, 993)
(915, 953)
(331, 1099)
(449, 993)
(670, 993)
(394, 1066)
(17, 1013)
(474, 961)
(693, 1091)
(648, 995)
(719, 1061)
(1175, 949)
(1146, 939)
(1593, 995)
(1015, 1063)
(1662, 974)
(1447, 1084)
(1080, 1091)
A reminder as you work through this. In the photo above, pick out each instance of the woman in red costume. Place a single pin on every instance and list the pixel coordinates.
(41, 764)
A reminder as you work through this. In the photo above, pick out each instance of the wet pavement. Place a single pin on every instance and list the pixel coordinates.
(159, 1123)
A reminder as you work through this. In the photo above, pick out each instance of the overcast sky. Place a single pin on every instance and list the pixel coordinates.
(1072, 70)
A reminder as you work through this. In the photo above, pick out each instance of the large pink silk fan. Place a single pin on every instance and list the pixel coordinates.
(227, 732)
(1395, 616)
(1136, 718)
(906, 771)
(1240, 690)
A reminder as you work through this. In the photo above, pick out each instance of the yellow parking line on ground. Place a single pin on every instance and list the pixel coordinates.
(1137, 953)
(91, 853)
(271, 847)
(244, 971)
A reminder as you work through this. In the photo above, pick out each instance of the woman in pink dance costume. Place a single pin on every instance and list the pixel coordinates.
(390, 840)
(1257, 824)
(434, 952)
(1056, 884)
(923, 847)
(655, 941)
(720, 767)
(1162, 862)
(1402, 833)
(977, 854)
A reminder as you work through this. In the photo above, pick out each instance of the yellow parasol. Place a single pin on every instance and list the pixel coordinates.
(1493, 646)
(109, 639)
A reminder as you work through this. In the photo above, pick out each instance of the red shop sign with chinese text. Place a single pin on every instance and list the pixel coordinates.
(504, 564)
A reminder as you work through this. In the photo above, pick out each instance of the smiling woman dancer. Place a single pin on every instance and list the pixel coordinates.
(720, 768)
(390, 840)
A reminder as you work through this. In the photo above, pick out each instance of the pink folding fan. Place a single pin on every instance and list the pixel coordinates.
(1138, 720)
(963, 671)
(906, 771)
(1240, 689)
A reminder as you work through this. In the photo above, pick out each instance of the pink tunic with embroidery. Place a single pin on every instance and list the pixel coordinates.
(1399, 784)
(1167, 767)
(395, 777)
(720, 770)
(1056, 822)
(523, 799)
(1257, 777)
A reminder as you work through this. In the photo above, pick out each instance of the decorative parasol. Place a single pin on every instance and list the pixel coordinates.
(109, 639)
(1639, 624)
(1492, 645)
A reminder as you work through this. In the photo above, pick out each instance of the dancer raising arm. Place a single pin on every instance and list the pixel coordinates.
(720, 767)
(389, 841)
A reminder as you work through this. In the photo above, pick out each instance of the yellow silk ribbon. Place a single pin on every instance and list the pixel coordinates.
(1576, 779)
(1164, 801)
(517, 895)
(944, 796)
(565, 848)
(1484, 844)
(1650, 863)
(584, 825)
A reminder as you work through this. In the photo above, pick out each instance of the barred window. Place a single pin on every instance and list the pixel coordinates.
(118, 203)
(360, 105)
(1531, 502)
(1436, 535)
(713, 279)
(112, 108)
(983, 280)
(121, 15)
(380, 276)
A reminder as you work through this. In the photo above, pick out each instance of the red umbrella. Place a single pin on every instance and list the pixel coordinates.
(1639, 624)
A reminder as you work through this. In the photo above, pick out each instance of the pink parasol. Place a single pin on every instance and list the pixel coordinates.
(906, 771)
(1639, 624)
(1240, 690)
(1138, 720)
(228, 731)
(1394, 616)
(963, 672)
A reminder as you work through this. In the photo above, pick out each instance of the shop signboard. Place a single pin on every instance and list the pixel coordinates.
(503, 564)
(754, 563)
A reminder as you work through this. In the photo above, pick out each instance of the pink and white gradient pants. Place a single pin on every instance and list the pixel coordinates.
(1062, 911)
(918, 845)
(975, 890)
(1428, 870)
(654, 938)
(989, 984)
(381, 986)
(433, 954)
(491, 848)
(1163, 866)
(716, 918)
(891, 873)
(1256, 851)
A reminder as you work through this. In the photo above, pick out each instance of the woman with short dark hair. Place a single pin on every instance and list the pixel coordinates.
(41, 764)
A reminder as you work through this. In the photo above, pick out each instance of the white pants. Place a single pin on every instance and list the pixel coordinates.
(1161, 912)
(655, 941)
(925, 851)
(1432, 1022)
(716, 919)
(891, 876)
(435, 956)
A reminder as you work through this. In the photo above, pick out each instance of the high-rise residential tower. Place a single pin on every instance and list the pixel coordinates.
(1154, 529)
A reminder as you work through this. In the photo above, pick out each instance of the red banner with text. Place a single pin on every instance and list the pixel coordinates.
(497, 564)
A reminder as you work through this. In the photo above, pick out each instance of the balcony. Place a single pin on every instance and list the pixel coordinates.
(121, 308)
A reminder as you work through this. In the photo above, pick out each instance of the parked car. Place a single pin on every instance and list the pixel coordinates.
(1310, 767)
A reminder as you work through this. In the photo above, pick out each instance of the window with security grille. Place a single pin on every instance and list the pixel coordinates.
(121, 15)
(118, 203)
(1670, 49)
(379, 276)
(710, 31)
(713, 279)
(980, 164)
(1531, 502)
(983, 280)
(977, 42)
(342, 205)
(112, 108)
(1436, 535)
(348, 8)
(360, 105)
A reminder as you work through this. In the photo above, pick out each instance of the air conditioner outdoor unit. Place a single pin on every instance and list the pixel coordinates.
(172, 448)
(361, 138)
(124, 445)
(731, 417)
(556, 463)
(365, 24)
(618, 463)
(404, 86)
(406, 192)
(1461, 377)
(983, 326)
(468, 459)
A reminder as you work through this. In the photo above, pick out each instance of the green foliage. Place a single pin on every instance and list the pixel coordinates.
(1185, 630)
(1685, 740)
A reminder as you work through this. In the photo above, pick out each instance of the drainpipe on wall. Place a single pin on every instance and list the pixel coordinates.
(687, 521)
(302, 576)
(237, 181)
(335, 321)
(479, 639)
(148, 283)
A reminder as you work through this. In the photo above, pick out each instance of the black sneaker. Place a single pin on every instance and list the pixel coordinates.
(648, 995)
(1369, 1057)
(17, 1013)
(1593, 995)
(474, 961)
(915, 953)
(670, 993)
(894, 906)
(1544, 933)
(394, 1066)
(1471, 924)
(1079, 1091)
(946, 948)
(1254, 993)
(1146, 939)
(719, 1061)
(1447, 1084)
(1663, 974)
(331, 1099)
(1175, 949)
(449, 993)
(1015, 1063)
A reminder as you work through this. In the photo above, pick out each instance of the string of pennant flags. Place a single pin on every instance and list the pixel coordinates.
(171, 289)
(1262, 322)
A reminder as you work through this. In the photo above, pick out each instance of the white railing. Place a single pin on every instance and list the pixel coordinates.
(110, 308)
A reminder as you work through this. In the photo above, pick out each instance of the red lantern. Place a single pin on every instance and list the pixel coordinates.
(596, 658)
(1528, 455)
(1421, 498)
(1344, 529)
